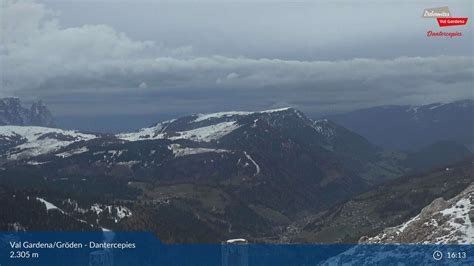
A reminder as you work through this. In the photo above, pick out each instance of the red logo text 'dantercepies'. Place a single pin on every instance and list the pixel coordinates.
(443, 34)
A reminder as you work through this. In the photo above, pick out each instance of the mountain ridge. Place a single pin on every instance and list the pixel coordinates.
(443, 221)
(404, 127)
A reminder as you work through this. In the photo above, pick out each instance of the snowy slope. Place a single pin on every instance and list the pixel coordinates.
(440, 222)
(203, 117)
(202, 134)
(49, 205)
(179, 151)
(323, 127)
(199, 128)
(208, 133)
(33, 141)
(146, 133)
(116, 213)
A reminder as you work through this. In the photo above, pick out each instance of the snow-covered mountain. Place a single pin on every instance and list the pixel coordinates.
(210, 128)
(441, 222)
(237, 133)
(255, 163)
(199, 127)
(13, 113)
(21, 142)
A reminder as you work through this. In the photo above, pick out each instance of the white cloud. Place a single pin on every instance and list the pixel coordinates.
(36, 48)
(232, 75)
(143, 85)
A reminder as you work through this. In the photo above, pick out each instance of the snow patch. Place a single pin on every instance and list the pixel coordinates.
(412, 109)
(402, 227)
(237, 240)
(322, 127)
(119, 211)
(72, 152)
(179, 151)
(441, 222)
(202, 117)
(36, 163)
(128, 163)
(204, 134)
(437, 105)
(40, 140)
(257, 167)
(201, 134)
(275, 110)
(145, 133)
(208, 133)
(49, 205)
(459, 222)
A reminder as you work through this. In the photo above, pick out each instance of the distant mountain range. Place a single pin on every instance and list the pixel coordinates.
(412, 127)
(13, 113)
(204, 177)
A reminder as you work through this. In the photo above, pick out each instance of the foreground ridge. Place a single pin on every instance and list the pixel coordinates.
(441, 222)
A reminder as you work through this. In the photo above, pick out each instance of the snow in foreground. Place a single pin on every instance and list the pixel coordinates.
(441, 222)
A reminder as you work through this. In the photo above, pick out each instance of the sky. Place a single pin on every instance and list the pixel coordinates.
(144, 58)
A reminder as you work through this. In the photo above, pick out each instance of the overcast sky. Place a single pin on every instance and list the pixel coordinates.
(92, 58)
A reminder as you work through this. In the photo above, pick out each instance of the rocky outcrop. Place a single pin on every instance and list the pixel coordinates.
(13, 113)
(442, 221)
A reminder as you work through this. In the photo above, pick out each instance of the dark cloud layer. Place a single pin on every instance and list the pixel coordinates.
(93, 68)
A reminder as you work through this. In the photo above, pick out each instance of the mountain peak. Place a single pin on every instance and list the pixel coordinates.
(207, 127)
(13, 113)
(40, 115)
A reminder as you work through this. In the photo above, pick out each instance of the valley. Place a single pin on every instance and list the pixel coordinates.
(267, 176)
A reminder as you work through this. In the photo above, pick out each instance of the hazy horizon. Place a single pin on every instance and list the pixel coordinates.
(119, 123)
